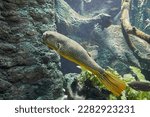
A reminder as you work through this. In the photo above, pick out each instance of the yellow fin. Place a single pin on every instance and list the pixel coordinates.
(112, 82)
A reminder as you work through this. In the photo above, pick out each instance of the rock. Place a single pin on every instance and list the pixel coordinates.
(28, 69)
(6, 62)
(113, 50)
(70, 22)
(7, 48)
(4, 85)
(94, 7)
(81, 91)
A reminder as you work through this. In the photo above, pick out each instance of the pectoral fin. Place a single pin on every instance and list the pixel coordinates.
(89, 54)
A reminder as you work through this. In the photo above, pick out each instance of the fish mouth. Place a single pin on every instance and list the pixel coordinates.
(44, 38)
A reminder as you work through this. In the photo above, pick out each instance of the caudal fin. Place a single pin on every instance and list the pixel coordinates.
(112, 82)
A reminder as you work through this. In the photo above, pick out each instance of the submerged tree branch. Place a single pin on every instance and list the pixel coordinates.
(129, 30)
(125, 20)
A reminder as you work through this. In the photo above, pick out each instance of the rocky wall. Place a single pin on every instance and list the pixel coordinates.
(28, 69)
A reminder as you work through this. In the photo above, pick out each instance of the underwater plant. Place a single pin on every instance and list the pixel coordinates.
(129, 93)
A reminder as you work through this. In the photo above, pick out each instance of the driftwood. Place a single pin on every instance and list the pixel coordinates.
(125, 20)
(129, 31)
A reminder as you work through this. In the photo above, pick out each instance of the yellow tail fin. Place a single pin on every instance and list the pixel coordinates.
(112, 82)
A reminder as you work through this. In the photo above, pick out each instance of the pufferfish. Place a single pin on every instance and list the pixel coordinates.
(74, 52)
